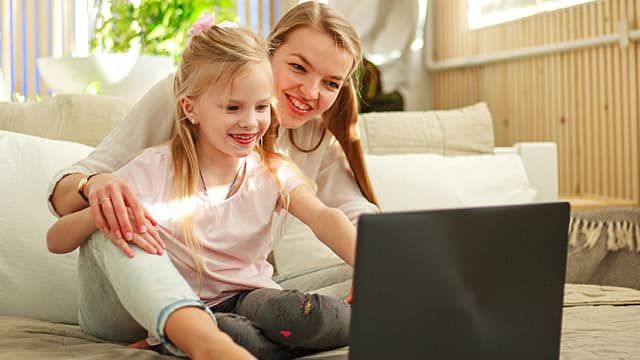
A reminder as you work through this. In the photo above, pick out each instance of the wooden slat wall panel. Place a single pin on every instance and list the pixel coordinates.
(587, 101)
(633, 7)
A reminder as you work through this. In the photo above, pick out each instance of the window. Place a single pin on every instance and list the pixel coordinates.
(482, 13)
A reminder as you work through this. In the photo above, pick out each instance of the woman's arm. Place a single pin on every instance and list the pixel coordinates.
(149, 123)
(330, 225)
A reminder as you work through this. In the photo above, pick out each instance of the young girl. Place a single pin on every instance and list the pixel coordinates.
(213, 190)
(314, 56)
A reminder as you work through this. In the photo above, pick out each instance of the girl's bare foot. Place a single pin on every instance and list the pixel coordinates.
(142, 344)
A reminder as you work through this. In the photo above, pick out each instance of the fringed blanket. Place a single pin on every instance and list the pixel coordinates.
(604, 247)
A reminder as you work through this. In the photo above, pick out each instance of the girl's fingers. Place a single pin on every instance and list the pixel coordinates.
(122, 215)
(152, 231)
(142, 243)
(159, 246)
(122, 245)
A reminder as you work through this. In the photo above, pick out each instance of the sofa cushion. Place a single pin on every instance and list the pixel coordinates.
(85, 119)
(34, 282)
(333, 280)
(468, 130)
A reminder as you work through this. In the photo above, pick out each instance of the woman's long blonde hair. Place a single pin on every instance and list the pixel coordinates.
(213, 57)
(342, 117)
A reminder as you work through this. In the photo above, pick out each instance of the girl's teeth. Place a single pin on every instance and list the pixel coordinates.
(243, 137)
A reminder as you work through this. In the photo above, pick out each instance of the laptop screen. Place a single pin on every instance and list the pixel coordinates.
(473, 283)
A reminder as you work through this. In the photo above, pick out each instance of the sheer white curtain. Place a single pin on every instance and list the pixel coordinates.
(391, 33)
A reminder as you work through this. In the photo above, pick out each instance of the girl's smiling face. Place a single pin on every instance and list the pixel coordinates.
(231, 119)
(309, 71)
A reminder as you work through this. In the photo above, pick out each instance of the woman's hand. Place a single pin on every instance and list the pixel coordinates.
(115, 207)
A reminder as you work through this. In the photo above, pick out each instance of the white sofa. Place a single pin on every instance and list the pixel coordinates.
(416, 160)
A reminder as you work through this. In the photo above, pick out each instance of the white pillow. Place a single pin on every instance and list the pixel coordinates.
(34, 283)
(404, 182)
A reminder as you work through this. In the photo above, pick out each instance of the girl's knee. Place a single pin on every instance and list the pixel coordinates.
(307, 320)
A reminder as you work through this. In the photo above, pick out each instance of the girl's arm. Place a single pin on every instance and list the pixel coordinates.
(329, 224)
(70, 231)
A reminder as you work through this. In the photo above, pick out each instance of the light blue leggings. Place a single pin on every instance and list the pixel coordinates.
(124, 299)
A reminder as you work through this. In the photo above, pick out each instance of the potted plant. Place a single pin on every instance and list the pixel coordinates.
(134, 44)
(152, 27)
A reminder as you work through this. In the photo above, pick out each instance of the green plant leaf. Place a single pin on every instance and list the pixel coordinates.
(159, 26)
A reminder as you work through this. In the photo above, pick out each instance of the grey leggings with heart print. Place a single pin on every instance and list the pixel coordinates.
(283, 324)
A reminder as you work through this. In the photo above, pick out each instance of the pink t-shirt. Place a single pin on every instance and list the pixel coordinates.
(235, 233)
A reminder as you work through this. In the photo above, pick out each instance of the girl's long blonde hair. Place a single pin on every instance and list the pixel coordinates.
(213, 57)
(342, 117)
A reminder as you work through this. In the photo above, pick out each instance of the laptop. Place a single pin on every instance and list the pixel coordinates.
(465, 283)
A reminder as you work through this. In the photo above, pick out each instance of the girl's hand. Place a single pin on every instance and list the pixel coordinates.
(114, 207)
(144, 241)
(350, 296)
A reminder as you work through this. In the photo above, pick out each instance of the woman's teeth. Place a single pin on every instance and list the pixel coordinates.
(299, 105)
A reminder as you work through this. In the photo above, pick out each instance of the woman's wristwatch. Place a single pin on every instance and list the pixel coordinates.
(81, 185)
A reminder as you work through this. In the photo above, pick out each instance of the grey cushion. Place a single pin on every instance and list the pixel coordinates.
(332, 280)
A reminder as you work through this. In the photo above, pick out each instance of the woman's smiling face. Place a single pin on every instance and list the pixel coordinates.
(309, 70)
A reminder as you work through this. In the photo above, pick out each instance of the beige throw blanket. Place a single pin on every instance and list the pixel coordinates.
(604, 246)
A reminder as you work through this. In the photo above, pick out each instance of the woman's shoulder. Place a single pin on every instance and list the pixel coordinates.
(155, 155)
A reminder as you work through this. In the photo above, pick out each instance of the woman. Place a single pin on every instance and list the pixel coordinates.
(316, 90)
(314, 56)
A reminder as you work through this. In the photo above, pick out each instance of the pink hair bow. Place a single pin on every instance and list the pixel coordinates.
(206, 22)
